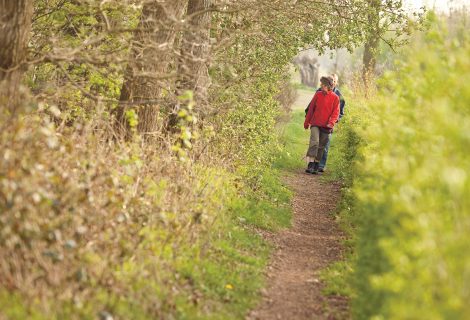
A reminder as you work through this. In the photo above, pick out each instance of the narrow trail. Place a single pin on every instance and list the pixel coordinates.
(303, 98)
(294, 290)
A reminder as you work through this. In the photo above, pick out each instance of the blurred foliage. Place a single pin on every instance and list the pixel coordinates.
(89, 228)
(407, 170)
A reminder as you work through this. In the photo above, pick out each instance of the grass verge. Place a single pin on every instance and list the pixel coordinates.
(294, 141)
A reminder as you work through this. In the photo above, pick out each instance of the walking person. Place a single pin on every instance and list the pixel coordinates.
(323, 113)
(342, 103)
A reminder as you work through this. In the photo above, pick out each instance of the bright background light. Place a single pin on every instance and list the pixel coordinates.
(439, 5)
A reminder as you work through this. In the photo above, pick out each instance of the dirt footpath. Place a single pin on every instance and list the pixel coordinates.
(303, 99)
(293, 286)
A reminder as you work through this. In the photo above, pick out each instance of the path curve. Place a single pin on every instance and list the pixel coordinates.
(294, 289)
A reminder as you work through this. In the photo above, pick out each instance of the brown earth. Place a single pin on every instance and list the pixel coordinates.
(294, 290)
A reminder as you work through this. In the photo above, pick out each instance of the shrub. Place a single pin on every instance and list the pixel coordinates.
(411, 184)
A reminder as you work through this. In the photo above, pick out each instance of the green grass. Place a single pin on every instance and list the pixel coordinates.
(230, 276)
(302, 86)
(268, 208)
(227, 279)
(337, 277)
(294, 140)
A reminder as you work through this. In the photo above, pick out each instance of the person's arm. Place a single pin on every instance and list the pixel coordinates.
(306, 109)
(342, 103)
(311, 109)
(334, 114)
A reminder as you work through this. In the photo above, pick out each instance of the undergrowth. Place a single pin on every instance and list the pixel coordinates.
(93, 227)
(406, 176)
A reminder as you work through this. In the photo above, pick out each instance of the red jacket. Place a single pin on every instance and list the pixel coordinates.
(323, 110)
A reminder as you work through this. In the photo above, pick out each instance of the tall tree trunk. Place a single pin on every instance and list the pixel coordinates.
(193, 67)
(152, 54)
(369, 58)
(15, 26)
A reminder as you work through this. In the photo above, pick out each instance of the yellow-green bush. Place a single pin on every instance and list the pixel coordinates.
(411, 186)
(95, 227)
(92, 227)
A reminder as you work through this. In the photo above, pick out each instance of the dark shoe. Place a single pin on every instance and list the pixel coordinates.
(321, 169)
(315, 167)
(310, 167)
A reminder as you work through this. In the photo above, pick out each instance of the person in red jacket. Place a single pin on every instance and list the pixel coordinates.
(323, 112)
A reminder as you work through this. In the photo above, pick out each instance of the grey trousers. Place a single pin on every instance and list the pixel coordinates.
(318, 141)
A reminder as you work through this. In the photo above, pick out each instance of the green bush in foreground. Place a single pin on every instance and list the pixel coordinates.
(135, 250)
(411, 187)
